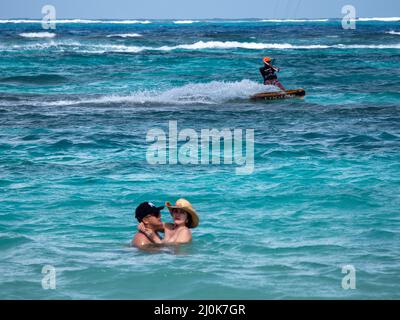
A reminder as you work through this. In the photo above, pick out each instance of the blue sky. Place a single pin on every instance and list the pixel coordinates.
(191, 9)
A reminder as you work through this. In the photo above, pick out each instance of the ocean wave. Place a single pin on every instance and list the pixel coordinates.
(49, 44)
(37, 35)
(200, 45)
(116, 48)
(12, 240)
(387, 19)
(221, 45)
(136, 21)
(367, 46)
(20, 21)
(35, 79)
(393, 32)
(125, 35)
(127, 22)
(294, 20)
(77, 21)
(185, 21)
(73, 46)
(259, 46)
(193, 93)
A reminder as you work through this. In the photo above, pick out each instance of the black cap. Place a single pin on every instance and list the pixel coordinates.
(145, 209)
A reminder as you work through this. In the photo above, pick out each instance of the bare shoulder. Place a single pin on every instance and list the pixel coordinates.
(186, 230)
(140, 240)
(184, 236)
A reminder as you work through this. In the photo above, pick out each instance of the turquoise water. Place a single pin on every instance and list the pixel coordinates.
(75, 108)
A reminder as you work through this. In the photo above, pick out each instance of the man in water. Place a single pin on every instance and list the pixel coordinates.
(268, 73)
(185, 217)
(150, 216)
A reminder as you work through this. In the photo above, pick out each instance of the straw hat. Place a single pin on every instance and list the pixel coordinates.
(187, 207)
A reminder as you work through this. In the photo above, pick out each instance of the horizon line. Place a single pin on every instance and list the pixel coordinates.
(190, 19)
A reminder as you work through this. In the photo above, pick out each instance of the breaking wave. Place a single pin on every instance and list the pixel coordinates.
(37, 35)
(125, 35)
(294, 20)
(200, 45)
(214, 92)
(78, 21)
(388, 19)
(135, 21)
(185, 21)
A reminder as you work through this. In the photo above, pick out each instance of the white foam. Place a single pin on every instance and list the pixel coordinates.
(193, 93)
(50, 44)
(125, 35)
(37, 35)
(74, 21)
(128, 22)
(260, 46)
(185, 21)
(294, 20)
(387, 19)
(78, 21)
(237, 45)
(114, 48)
(393, 32)
(231, 21)
(373, 46)
(384, 19)
(20, 21)
(200, 45)
(62, 46)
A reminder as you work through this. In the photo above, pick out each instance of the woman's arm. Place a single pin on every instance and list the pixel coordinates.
(162, 229)
(150, 234)
(153, 236)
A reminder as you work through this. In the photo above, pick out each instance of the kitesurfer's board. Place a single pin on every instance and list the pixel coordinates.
(297, 93)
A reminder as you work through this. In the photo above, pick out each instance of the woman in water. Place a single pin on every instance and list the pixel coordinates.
(185, 218)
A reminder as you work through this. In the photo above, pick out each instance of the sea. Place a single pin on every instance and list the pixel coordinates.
(317, 217)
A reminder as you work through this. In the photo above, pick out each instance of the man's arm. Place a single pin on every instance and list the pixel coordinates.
(262, 71)
(163, 227)
(275, 68)
(140, 240)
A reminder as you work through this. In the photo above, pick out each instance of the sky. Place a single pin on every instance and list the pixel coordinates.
(197, 9)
